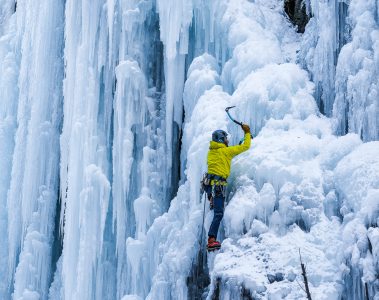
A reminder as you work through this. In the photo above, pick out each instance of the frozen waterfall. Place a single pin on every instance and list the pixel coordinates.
(106, 112)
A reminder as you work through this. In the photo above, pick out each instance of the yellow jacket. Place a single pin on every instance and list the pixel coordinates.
(220, 156)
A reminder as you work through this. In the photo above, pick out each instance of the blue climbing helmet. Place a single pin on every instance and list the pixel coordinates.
(219, 136)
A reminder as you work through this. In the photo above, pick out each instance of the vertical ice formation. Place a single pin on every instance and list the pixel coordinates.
(9, 69)
(85, 150)
(279, 191)
(143, 174)
(339, 48)
(175, 17)
(323, 39)
(356, 108)
(140, 164)
(202, 75)
(143, 262)
(357, 184)
(116, 165)
(128, 128)
(180, 227)
(176, 229)
(298, 194)
(154, 270)
(29, 187)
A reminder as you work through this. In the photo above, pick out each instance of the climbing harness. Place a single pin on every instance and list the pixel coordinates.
(213, 185)
(212, 179)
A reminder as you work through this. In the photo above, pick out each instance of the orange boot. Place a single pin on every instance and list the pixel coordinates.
(213, 244)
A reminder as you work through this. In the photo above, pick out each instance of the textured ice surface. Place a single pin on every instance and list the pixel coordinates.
(356, 106)
(29, 132)
(256, 264)
(340, 49)
(107, 108)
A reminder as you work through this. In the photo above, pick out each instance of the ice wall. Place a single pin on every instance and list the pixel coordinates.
(356, 106)
(291, 191)
(106, 103)
(8, 119)
(339, 49)
(323, 38)
(85, 149)
(358, 194)
(112, 149)
(31, 118)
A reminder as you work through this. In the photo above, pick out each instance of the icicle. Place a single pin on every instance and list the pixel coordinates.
(319, 51)
(356, 108)
(33, 188)
(141, 183)
(174, 18)
(33, 194)
(129, 102)
(85, 165)
(110, 18)
(9, 70)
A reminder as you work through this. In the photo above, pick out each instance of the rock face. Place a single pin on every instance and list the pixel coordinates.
(297, 13)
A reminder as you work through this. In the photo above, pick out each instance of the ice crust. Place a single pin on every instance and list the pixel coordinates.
(105, 104)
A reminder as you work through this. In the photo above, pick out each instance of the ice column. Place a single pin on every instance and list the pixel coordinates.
(128, 123)
(9, 69)
(356, 108)
(146, 206)
(345, 75)
(86, 147)
(174, 19)
(140, 185)
(320, 50)
(33, 191)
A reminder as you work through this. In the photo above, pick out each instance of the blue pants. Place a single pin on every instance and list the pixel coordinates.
(218, 209)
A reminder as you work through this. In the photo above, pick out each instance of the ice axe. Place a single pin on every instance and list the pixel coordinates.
(230, 117)
(235, 121)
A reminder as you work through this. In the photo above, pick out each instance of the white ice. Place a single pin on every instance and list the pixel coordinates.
(107, 109)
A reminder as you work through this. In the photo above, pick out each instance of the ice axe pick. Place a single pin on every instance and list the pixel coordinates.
(230, 117)
(235, 121)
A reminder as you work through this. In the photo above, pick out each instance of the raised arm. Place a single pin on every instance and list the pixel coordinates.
(237, 149)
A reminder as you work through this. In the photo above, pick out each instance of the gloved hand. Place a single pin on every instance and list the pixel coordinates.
(246, 128)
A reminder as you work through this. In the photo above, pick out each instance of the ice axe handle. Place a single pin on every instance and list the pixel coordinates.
(230, 117)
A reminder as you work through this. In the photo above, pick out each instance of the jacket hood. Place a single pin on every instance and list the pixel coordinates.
(215, 145)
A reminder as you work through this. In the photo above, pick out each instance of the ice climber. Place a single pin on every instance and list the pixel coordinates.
(220, 156)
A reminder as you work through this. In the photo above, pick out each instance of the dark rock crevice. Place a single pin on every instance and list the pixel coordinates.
(237, 292)
(297, 13)
(198, 281)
